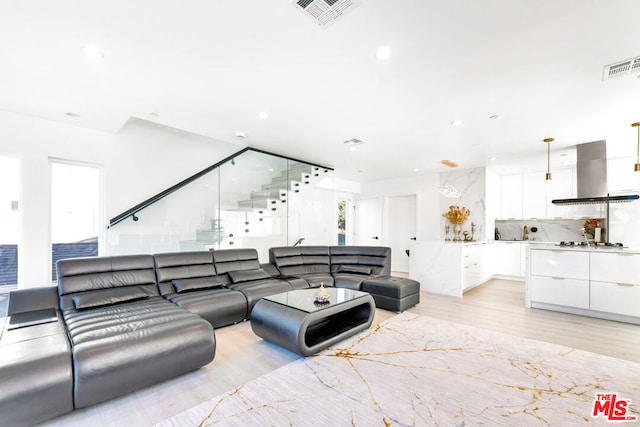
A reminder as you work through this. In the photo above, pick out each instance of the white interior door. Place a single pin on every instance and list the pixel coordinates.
(368, 222)
(402, 230)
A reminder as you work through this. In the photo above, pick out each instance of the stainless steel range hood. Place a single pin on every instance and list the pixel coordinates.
(592, 177)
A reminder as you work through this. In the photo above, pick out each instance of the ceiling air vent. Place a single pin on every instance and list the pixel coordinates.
(324, 12)
(622, 68)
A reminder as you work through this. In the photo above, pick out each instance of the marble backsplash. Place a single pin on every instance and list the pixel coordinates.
(548, 230)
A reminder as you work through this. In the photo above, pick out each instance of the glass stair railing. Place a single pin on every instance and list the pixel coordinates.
(250, 199)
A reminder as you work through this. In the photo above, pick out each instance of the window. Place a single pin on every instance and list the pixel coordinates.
(9, 219)
(342, 222)
(75, 211)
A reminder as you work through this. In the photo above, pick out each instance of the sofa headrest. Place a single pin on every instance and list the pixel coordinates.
(300, 259)
(373, 251)
(181, 266)
(227, 260)
(376, 257)
(105, 273)
(289, 251)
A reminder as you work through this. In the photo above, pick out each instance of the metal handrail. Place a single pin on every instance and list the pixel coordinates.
(151, 200)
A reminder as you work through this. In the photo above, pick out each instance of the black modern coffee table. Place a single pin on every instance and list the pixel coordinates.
(293, 320)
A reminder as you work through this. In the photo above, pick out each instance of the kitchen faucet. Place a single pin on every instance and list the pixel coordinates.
(525, 233)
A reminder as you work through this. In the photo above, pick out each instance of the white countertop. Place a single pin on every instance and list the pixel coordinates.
(539, 245)
(557, 247)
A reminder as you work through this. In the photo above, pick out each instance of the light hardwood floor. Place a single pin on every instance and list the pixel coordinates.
(497, 305)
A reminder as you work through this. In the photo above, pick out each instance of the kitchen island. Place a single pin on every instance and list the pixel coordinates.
(451, 268)
(596, 281)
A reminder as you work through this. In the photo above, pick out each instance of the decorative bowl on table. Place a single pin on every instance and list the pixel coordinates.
(321, 299)
(321, 296)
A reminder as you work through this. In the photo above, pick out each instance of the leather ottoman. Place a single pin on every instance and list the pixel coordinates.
(393, 293)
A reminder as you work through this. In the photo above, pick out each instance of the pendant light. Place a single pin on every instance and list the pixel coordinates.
(637, 166)
(548, 141)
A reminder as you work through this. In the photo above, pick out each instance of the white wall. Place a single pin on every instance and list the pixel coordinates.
(141, 160)
(472, 184)
(427, 198)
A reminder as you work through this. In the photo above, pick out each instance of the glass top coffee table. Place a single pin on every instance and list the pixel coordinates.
(295, 321)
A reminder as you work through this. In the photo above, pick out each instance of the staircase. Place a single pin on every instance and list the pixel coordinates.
(260, 207)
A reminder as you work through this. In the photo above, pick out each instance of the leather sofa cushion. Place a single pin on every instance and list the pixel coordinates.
(184, 285)
(219, 306)
(112, 296)
(354, 269)
(248, 275)
(122, 348)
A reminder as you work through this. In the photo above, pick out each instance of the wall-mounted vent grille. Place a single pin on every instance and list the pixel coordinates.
(324, 12)
(622, 68)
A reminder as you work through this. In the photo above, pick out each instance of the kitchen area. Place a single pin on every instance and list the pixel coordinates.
(573, 240)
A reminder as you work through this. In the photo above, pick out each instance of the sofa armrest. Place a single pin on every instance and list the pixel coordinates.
(32, 299)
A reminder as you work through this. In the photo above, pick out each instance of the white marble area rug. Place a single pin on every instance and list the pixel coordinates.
(415, 370)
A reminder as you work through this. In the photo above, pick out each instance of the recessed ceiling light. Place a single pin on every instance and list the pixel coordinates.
(72, 114)
(263, 114)
(493, 158)
(416, 169)
(495, 116)
(353, 143)
(241, 135)
(563, 155)
(383, 53)
(92, 52)
(154, 114)
(456, 122)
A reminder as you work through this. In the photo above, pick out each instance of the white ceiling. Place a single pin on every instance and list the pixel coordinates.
(209, 67)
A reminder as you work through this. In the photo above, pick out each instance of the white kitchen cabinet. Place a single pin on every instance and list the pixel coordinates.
(593, 282)
(619, 267)
(619, 298)
(560, 291)
(621, 176)
(478, 264)
(615, 283)
(561, 186)
(569, 264)
(511, 200)
(560, 277)
(509, 258)
(534, 195)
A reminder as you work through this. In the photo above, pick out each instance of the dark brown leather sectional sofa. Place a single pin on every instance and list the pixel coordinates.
(127, 322)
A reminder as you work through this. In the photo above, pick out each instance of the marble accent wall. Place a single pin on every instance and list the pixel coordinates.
(549, 230)
(471, 183)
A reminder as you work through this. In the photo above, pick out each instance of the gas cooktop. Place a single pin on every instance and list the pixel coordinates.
(585, 244)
